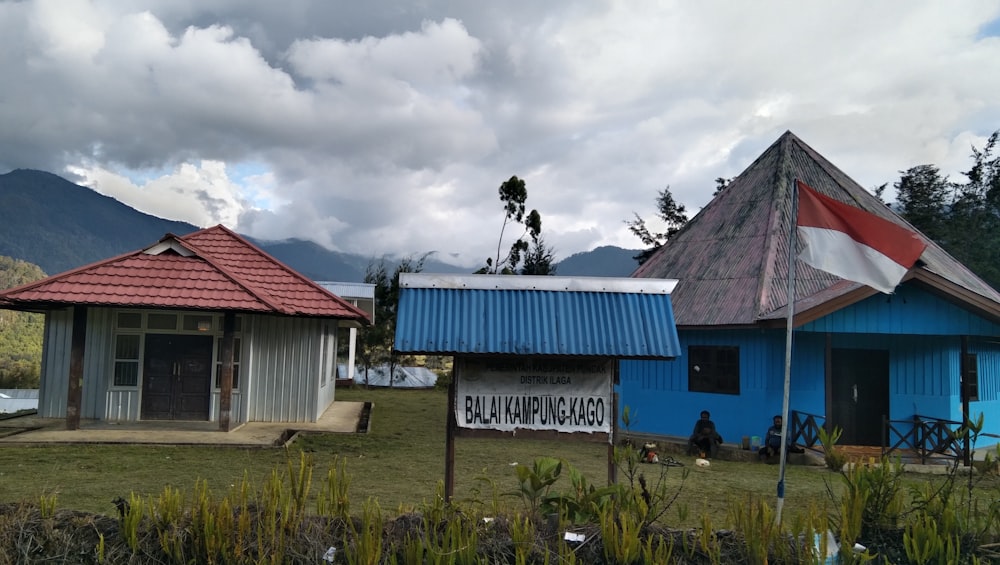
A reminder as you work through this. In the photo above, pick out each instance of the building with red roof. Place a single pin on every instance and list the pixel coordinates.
(205, 326)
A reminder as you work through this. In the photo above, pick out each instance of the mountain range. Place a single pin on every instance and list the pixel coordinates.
(58, 225)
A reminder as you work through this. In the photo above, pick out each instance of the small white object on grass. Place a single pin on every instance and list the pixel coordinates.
(699, 462)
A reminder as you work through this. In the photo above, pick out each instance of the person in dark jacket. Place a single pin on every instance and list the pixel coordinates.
(704, 440)
(772, 441)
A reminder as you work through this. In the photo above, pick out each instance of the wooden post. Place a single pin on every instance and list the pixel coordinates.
(449, 443)
(226, 373)
(963, 387)
(613, 441)
(74, 391)
(828, 423)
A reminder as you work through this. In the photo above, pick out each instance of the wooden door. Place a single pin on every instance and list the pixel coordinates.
(177, 377)
(860, 379)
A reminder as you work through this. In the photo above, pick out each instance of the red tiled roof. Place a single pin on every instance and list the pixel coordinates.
(211, 269)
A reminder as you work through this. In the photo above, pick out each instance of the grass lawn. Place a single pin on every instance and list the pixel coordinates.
(400, 463)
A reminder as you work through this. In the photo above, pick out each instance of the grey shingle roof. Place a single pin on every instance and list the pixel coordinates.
(731, 259)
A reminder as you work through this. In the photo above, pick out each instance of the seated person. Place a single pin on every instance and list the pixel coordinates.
(772, 441)
(704, 440)
(648, 453)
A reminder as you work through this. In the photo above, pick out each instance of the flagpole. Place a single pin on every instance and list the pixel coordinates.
(788, 351)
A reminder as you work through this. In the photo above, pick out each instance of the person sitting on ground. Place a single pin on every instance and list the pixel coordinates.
(704, 440)
(648, 453)
(772, 441)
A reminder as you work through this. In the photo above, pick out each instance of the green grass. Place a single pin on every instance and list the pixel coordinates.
(400, 463)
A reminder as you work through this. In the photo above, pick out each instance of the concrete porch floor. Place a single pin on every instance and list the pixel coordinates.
(340, 418)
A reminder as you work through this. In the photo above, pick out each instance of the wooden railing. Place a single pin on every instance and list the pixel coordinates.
(924, 436)
(804, 428)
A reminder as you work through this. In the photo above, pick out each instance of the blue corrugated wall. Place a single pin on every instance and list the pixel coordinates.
(920, 331)
(988, 352)
(909, 311)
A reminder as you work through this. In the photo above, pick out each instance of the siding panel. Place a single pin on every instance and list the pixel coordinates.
(55, 364)
(909, 311)
(97, 369)
(285, 358)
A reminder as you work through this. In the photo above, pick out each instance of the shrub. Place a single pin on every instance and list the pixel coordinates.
(832, 455)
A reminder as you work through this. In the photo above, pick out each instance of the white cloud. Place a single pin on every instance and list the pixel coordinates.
(386, 128)
(201, 194)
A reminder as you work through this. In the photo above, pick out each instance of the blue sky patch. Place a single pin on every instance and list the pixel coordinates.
(991, 29)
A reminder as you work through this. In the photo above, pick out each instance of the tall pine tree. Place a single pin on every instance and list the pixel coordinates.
(961, 217)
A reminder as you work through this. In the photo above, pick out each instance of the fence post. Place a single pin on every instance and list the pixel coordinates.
(918, 436)
(885, 434)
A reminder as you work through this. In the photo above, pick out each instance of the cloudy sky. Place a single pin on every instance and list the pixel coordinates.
(386, 126)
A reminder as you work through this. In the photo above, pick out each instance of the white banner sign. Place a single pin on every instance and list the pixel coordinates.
(563, 395)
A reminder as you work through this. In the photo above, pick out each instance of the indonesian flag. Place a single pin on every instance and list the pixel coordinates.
(854, 244)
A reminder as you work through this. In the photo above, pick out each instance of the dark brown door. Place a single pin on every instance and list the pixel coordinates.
(177, 377)
(860, 394)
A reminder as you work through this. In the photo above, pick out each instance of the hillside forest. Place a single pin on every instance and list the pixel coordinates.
(20, 332)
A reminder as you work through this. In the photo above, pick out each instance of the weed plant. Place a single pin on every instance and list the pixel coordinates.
(521, 517)
(268, 524)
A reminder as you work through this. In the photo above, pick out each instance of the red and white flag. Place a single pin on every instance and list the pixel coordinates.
(854, 244)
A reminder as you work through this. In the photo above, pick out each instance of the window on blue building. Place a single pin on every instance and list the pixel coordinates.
(970, 377)
(714, 368)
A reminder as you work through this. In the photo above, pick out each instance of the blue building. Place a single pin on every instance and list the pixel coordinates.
(535, 356)
(892, 370)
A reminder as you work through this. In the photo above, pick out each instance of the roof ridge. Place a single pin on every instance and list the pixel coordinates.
(206, 257)
(776, 225)
(277, 263)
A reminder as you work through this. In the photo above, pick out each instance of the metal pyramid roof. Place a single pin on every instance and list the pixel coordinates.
(731, 259)
(210, 269)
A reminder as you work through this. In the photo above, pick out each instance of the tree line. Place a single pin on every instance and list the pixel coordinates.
(20, 332)
(961, 216)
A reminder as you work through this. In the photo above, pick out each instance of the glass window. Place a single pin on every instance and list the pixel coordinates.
(161, 321)
(129, 320)
(236, 376)
(126, 373)
(127, 347)
(970, 377)
(198, 323)
(713, 368)
(328, 355)
(126, 360)
(237, 346)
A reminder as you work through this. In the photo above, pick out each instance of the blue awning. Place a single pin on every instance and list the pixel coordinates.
(535, 315)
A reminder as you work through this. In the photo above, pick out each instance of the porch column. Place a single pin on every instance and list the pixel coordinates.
(963, 388)
(226, 374)
(351, 347)
(74, 392)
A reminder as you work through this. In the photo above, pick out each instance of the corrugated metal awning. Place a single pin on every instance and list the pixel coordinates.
(349, 290)
(536, 315)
